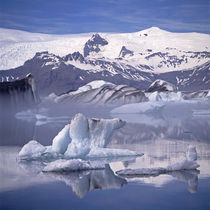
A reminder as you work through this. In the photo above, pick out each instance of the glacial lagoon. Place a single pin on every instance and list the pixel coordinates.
(162, 138)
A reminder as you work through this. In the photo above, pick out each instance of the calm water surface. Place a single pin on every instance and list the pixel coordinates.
(162, 139)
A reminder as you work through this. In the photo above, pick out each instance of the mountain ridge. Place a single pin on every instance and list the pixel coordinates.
(55, 74)
(163, 51)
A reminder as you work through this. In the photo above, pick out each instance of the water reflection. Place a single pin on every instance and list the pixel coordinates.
(141, 127)
(16, 175)
(87, 181)
(163, 140)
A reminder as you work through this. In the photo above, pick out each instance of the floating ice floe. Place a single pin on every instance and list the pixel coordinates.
(187, 164)
(82, 138)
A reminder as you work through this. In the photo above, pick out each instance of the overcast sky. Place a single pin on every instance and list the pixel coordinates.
(81, 16)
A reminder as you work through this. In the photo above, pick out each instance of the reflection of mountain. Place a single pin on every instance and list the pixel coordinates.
(148, 127)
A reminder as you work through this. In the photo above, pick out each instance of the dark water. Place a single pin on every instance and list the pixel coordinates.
(162, 138)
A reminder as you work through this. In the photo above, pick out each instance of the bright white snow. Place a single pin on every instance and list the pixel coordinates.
(18, 46)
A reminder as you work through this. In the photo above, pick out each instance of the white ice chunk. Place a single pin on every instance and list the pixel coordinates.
(31, 150)
(102, 129)
(70, 165)
(62, 140)
(79, 127)
(79, 133)
(89, 134)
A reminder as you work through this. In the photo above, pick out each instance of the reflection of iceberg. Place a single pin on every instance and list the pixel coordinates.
(82, 138)
(71, 165)
(190, 176)
(40, 117)
(187, 164)
(86, 181)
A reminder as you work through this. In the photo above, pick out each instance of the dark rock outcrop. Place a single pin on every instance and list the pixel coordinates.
(124, 51)
(93, 44)
(18, 94)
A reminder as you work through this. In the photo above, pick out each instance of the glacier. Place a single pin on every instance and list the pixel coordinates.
(82, 138)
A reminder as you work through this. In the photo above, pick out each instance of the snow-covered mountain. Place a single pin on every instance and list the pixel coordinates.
(134, 59)
(152, 49)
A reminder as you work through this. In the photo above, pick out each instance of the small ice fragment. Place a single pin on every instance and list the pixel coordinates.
(31, 150)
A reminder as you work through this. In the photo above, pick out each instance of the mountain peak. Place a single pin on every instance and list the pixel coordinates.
(153, 30)
(93, 44)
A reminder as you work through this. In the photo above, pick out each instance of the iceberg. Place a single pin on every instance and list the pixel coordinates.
(82, 138)
(187, 164)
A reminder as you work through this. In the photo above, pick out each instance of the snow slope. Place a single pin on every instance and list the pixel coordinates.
(162, 51)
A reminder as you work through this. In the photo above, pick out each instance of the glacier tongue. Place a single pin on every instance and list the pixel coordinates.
(83, 138)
